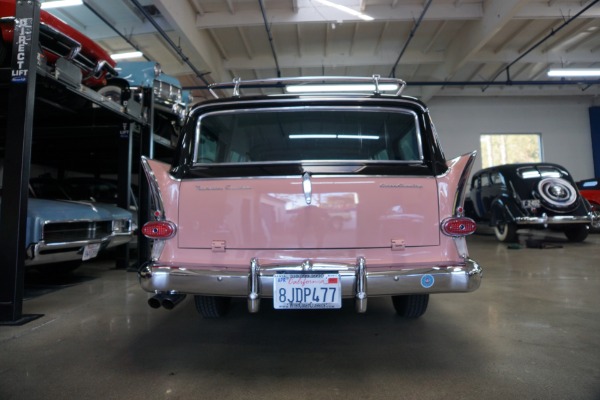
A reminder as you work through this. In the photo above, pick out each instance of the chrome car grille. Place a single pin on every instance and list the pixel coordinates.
(60, 232)
(166, 92)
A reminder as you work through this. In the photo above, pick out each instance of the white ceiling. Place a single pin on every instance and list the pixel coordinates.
(457, 41)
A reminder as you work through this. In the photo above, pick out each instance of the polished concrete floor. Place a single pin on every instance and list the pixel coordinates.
(532, 331)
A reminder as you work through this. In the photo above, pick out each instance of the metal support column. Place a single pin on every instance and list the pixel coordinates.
(124, 185)
(13, 212)
(595, 132)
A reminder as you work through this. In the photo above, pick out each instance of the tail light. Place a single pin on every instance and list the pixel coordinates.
(159, 230)
(458, 226)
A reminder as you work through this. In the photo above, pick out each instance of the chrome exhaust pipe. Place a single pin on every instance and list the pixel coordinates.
(156, 300)
(171, 300)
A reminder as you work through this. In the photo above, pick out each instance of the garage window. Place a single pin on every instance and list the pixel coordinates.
(509, 148)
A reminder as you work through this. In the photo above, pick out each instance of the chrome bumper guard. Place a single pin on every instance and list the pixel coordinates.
(357, 281)
(590, 218)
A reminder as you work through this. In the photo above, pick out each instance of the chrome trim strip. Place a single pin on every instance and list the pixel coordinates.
(154, 188)
(258, 281)
(307, 188)
(459, 196)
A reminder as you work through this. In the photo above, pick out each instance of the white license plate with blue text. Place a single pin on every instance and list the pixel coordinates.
(307, 291)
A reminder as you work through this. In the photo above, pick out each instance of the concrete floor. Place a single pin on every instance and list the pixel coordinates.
(532, 331)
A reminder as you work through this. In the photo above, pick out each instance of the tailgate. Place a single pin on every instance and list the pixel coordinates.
(344, 212)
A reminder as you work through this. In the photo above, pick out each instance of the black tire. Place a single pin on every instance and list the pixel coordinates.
(411, 306)
(212, 306)
(506, 232)
(576, 233)
(112, 92)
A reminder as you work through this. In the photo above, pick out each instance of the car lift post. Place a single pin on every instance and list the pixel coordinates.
(13, 210)
(124, 185)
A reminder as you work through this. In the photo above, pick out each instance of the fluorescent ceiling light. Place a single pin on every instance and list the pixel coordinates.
(131, 54)
(367, 87)
(312, 136)
(61, 3)
(567, 72)
(330, 136)
(345, 9)
(358, 137)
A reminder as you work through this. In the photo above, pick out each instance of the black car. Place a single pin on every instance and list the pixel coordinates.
(532, 195)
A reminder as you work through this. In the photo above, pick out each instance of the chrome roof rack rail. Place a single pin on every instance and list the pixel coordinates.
(298, 82)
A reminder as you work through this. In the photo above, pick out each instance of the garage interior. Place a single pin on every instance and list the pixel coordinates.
(532, 330)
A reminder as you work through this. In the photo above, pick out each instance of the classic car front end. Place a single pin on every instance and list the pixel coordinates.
(73, 57)
(307, 201)
(62, 232)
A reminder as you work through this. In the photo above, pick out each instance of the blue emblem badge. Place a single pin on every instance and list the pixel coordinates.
(427, 281)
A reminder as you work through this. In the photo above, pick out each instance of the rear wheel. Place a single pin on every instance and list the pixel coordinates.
(212, 306)
(576, 233)
(506, 231)
(412, 305)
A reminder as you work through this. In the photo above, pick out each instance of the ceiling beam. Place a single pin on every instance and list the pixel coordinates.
(332, 60)
(473, 37)
(205, 56)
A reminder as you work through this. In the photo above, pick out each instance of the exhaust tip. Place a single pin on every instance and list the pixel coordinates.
(154, 301)
(170, 301)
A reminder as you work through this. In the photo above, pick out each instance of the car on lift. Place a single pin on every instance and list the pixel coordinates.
(590, 190)
(307, 199)
(529, 195)
(69, 54)
(61, 234)
(170, 101)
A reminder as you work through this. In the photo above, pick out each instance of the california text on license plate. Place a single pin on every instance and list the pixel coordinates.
(307, 291)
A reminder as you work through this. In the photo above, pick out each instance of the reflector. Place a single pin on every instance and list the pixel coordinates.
(461, 226)
(159, 230)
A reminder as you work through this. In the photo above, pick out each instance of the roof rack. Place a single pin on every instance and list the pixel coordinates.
(376, 80)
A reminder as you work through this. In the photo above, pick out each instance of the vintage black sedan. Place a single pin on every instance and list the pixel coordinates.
(532, 195)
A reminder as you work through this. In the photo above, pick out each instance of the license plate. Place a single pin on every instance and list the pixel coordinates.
(307, 291)
(90, 251)
(528, 204)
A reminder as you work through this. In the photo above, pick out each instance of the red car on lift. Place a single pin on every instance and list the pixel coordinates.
(590, 190)
(59, 42)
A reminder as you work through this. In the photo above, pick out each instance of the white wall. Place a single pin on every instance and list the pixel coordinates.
(563, 123)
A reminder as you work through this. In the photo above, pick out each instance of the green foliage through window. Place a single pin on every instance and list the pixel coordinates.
(499, 148)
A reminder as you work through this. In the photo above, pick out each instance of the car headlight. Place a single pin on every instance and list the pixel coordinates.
(122, 226)
(157, 70)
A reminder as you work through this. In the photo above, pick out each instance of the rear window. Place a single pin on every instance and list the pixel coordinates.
(307, 134)
(541, 172)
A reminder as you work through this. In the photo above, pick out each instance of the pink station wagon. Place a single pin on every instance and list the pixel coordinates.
(305, 199)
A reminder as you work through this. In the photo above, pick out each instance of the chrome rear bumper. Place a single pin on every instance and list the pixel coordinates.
(357, 281)
(590, 218)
